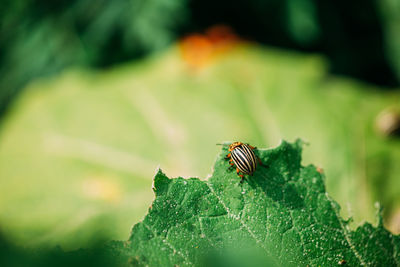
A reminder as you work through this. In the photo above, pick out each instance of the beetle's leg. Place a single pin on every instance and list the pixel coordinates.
(232, 165)
(230, 161)
(240, 175)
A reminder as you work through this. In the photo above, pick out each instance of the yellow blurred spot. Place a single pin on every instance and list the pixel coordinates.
(198, 50)
(394, 222)
(99, 188)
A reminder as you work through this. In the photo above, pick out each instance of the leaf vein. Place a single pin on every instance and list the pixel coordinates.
(345, 232)
(230, 214)
(395, 252)
(175, 251)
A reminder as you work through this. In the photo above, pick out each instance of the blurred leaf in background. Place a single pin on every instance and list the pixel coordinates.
(78, 152)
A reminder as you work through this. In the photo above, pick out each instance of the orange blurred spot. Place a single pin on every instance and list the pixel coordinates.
(320, 170)
(198, 50)
(221, 35)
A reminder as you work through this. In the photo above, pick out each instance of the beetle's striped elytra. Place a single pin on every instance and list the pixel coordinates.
(242, 156)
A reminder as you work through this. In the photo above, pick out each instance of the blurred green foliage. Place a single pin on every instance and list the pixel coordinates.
(99, 255)
(352, 34)
(39, 38)
(78, 153)
(390, 11)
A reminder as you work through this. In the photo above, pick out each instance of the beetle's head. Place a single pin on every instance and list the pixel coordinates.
(234, 145)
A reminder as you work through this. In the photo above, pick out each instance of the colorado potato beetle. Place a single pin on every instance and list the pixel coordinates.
(242, 156)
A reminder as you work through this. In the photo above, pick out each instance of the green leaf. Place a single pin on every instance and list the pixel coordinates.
(283, 212)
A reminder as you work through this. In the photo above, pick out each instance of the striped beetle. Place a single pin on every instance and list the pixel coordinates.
(242, 156)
